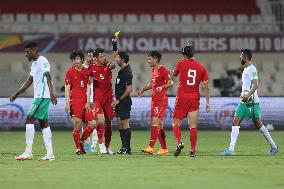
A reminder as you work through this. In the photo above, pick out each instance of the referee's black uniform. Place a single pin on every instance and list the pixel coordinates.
(124, 78)
(123, 108)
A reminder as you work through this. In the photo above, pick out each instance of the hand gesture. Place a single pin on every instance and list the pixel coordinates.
(140, 92)
(67, 108)
(115, 103)
(53, 99)
(208, 108)
(87, 107)
(159, 89)
(13, 98)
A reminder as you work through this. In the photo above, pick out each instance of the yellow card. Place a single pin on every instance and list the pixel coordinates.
(116, 34)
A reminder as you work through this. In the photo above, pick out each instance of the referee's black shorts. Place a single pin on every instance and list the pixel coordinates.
(123, 109)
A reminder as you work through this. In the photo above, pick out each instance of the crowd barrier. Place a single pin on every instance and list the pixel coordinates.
(12, 115)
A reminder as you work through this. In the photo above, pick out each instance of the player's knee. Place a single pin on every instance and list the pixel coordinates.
(235, 121)
(76, 123)
(92, 124)
(100, 121)
(155, 121)
(29, 120)
(176, 121)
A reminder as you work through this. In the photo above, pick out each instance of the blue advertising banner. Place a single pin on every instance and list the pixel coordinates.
(12, 115)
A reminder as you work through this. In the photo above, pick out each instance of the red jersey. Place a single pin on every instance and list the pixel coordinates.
(159, 77)
(102, 81)
(78, 81)
(191, 73)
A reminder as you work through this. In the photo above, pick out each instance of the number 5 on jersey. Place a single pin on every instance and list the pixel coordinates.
(191, 75)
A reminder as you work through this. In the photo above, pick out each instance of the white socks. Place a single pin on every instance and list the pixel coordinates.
(47, 138)
(94, 138)
(267, 136)
(234, 136)
(30, 132)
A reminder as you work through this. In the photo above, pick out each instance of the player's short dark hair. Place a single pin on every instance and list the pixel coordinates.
(155, 54)
(124, 56)
(89, 51)
(76, 53)
(188, 51)
(31, 45)
(97, 52)
(247, 53)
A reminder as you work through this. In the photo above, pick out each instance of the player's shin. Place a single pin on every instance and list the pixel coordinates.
(154, 135)
(162, 138)
(128, 139)
(76, 136)
(87, 132)
(108, 134)
(234, 137)
(47, 138)
(177, 133)
(30, 132)
(193, 138)
(122, 137)
(100, 132)
(267, 136)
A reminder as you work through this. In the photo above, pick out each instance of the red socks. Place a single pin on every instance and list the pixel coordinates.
(87, 132)
(154, 135)
(108, 133)
(162, 138)
(193, 138)
(76, 136)
(100, 132)
(177, 133)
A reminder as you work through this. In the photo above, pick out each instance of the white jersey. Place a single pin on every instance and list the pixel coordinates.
(91, 85)
(38, 69)
(249, 74)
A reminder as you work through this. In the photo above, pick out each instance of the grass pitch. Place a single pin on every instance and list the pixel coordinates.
(250, 168)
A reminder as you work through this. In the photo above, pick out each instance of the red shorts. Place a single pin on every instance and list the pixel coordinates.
(185, 105)
(104, 108)
(159, 107)
(78, 110)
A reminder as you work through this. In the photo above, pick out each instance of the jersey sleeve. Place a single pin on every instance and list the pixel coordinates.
(205, 74)
(129, 79)
(45, 66)
(68, 78)
(254, 74)
(166, 75)
(176, 69)
(32, 72)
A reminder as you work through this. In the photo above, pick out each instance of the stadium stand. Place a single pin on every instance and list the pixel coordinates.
(271, 80)
(136, 16)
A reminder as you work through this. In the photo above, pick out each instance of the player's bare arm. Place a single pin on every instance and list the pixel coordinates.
(67, 98)
(87, 105)
(22, 89)
(207, 95)
(254, 87)
(168, 85)
(146, 88)
(126, 93)
(50, 86)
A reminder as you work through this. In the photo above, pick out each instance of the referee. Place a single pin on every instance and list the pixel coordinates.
(123, 102)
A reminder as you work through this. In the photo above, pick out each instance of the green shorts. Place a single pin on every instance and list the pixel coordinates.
(39, 108)
(248, 111)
